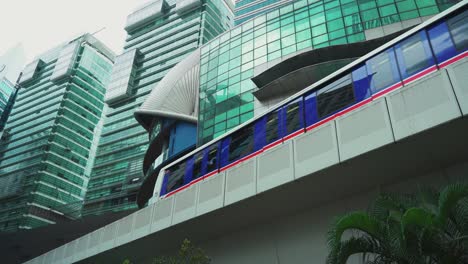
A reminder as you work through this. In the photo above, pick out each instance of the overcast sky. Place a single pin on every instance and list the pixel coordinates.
(41, 24)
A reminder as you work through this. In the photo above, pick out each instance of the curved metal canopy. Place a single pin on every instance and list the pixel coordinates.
(175, 96)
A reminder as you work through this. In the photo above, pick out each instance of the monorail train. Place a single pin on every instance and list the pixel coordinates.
(413, 55)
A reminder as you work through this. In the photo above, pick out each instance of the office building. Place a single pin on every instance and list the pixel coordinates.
(160, 34)
(8, 93)
(49, 141)
(11, 64)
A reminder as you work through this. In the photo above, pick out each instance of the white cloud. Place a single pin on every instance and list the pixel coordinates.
(41, 24)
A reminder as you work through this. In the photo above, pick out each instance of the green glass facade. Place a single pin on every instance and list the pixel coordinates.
(6, 90)
(228, 62)
(7, 99)
(248, 9)
(167, 36)
(46, 150)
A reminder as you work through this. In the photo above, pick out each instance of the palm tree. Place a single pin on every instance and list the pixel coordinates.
(429, 227)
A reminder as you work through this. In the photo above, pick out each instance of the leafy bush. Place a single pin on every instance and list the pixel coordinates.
(426, 228)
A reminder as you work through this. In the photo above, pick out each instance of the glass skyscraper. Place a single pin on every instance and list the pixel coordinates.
(8, 94)
(230, 61)
(50, 138)
(11, 64)
(160, 34)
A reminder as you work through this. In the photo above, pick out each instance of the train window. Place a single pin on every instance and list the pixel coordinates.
(176, 177)
(272, 127)
(361, 83)
(441, 42)
(335, 96)
(242, 143)
(197, 165)
(212, 162)
(414, 54)
(310, 109)
(382, 70)
(458, 26)
(293, 112)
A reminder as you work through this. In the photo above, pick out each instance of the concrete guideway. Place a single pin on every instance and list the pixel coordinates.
(423, 134)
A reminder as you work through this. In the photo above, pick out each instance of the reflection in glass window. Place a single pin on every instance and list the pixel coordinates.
(381, 71)
(197, 165)
(271, 128)
(335, 96)
(242, 143)
(212, 163)
(458, 26)
(414, 55)
(293, 119)
(176, 177)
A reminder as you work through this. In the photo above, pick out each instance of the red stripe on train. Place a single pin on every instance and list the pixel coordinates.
(453, 60)
(419, 75)
(326, 120)
(274, 144)
(297, 133)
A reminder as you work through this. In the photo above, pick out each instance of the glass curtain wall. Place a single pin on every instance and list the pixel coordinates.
(46, 148)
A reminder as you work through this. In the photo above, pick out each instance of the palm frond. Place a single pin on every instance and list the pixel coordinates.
(353, 221)
(427, 198)
(355, 245)
(448, 199)
(416, 218)
(425, 228)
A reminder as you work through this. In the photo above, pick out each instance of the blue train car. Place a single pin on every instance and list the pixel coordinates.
(409, 58)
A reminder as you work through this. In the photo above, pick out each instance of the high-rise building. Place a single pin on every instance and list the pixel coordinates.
(248, 9)
(11, 64)
(50, 138)
(8, 93)
(160, 34)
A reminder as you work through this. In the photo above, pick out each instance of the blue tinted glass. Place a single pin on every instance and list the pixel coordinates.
(335, 97)
(361, 83)
(458, 26)
(197, 165)
(175, 177)
(441, 42)
(293, 116)
(242, 143)
(211, 158)
(414, 54)
(272, 131)
(383, 71)
(310, 105)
